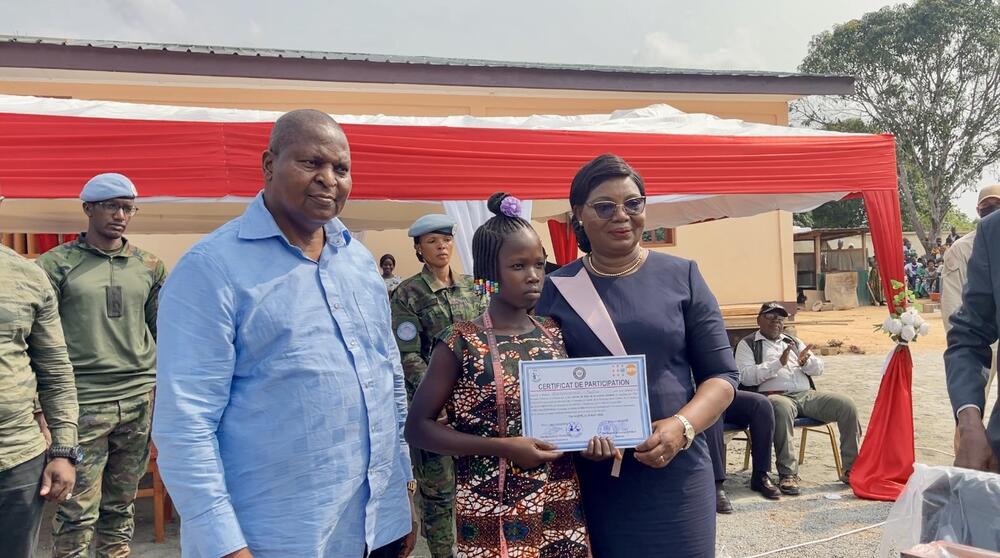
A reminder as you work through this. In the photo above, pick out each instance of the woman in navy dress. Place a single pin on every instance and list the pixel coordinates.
(663, 503)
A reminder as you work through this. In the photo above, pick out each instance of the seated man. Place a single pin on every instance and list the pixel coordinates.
(753, 411)
(780, 366)
(933, 279)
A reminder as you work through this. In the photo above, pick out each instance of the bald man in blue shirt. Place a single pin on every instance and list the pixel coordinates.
(280, 398)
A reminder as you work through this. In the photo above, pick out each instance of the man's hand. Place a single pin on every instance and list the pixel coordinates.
(410, 542)
(241, 553)
(805, 354)
(974, 451)
(58, 480)
(784, 355)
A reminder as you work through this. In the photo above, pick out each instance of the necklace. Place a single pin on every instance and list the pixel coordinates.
(632, 267)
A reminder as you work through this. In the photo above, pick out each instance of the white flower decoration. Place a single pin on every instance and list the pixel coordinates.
(924, 328)
(908, 333)
(907, 318)
(895, 326)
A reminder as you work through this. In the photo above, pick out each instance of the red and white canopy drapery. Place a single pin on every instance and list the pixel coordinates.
(189, 162)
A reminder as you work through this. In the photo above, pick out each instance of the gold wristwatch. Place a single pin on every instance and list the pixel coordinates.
(689, 432)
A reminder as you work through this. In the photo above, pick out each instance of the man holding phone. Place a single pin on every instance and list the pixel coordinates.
(782, 367)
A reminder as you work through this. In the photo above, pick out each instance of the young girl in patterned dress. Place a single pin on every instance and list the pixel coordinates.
(516, 497)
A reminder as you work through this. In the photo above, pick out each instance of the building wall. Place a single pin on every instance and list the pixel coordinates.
(739, 268)
(739, 271)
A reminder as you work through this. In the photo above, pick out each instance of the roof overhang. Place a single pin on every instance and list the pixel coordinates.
(830, 234)
(178, 60)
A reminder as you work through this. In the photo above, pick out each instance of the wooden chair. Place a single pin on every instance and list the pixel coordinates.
(162, 506)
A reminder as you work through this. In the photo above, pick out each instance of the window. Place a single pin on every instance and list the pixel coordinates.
(662, 236)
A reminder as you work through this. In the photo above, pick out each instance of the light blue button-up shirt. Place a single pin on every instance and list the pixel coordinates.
(280, 400)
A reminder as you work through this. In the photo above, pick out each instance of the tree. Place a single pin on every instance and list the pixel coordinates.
(928, 73)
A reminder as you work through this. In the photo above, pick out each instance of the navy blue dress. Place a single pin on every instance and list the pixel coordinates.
(666, 311)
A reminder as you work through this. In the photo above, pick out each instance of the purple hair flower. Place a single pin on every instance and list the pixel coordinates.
(511, 206)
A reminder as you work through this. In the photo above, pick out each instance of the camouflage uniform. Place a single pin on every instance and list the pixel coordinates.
(108, 303)
(33, 360)
(115, 441)
(422, 307)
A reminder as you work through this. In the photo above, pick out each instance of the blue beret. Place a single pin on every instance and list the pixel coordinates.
(434, 223)
(107, 186)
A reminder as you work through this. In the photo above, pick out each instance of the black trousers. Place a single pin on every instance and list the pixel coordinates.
(747, 409)
(21, 508)
(390, 550)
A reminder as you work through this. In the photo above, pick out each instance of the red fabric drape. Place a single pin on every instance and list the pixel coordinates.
(887, 455)
(563, 241)
(52, 156)
(45, 242)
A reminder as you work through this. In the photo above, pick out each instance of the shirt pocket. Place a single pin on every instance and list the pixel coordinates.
(15, 317)
(373, 316)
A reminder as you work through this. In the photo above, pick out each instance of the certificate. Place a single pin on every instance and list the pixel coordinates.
(569, 401)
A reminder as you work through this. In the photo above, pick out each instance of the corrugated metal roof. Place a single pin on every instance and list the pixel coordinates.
(396, 59)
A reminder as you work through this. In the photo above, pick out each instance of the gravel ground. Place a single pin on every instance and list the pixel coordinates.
(825, 508)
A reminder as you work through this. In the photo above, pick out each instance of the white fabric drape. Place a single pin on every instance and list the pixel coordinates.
(469, 215)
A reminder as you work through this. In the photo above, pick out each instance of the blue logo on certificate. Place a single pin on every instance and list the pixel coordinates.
(567, 402)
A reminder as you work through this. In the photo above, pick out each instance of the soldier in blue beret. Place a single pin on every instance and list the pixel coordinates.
(108, 186)
(433, 223)
(422, 307)
(108, 293)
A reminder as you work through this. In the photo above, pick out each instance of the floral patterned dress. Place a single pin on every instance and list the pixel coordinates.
(539, 513)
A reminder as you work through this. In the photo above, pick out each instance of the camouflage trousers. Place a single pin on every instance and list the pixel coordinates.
(435, 475)
(435, 497)
(115, 441)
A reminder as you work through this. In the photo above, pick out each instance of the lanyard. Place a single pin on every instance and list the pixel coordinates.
(498, 381)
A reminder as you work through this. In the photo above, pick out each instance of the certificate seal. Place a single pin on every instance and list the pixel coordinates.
(607, 429)
(579, 373)
(574, 429)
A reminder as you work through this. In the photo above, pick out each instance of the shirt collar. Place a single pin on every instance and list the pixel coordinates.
(257, 223)
(760, 337)
(433, 282)
(81, 242)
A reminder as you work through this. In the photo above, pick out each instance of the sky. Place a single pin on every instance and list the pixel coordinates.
(705, 34)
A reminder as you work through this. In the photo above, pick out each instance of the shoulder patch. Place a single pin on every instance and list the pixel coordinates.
(406, 331)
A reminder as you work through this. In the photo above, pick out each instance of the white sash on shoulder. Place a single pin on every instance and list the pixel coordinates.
(579, 292)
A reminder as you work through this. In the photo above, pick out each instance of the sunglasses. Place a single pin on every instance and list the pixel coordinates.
(606, 209)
